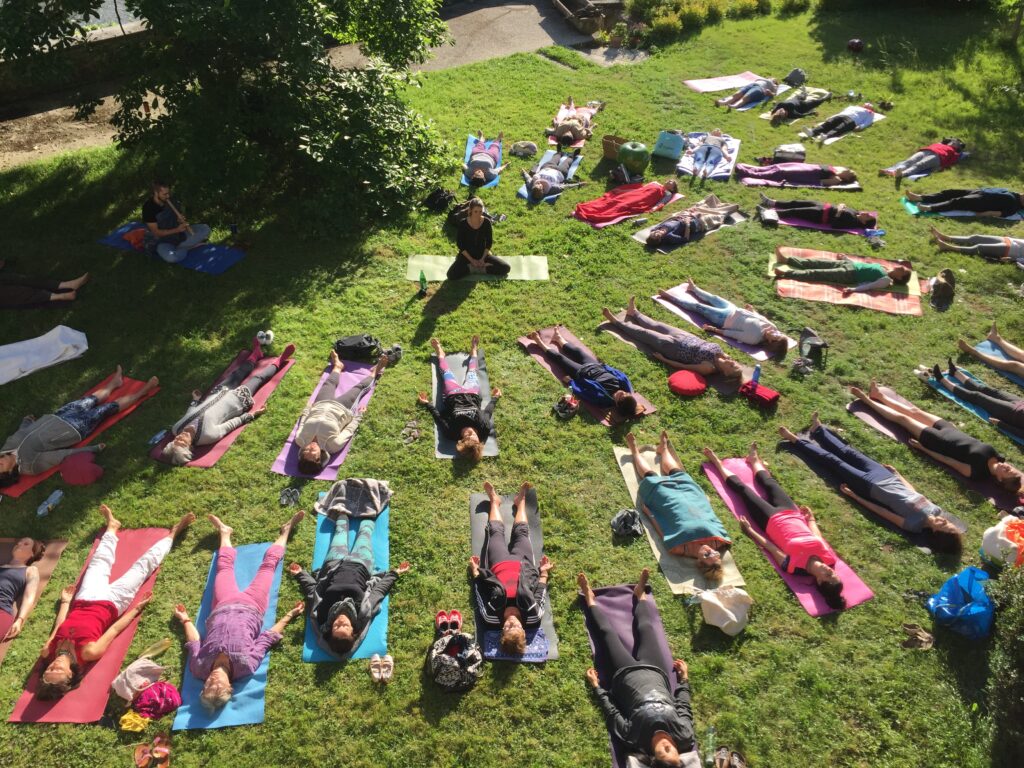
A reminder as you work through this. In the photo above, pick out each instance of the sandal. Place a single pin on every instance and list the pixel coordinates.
(289, 497)
(736, 760)
(722, 757)
(376, 668)
(387, 669)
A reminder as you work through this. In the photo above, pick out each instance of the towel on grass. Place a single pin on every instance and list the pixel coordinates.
(623, 203)
(470, 142)
(209, 258)
(45, 566)
(723, 170)
(978, 411)
(57, 345)
(444, 447)
(723, 83)
(435, 268)
(875, 118)
(524, 193)
(989, 348)
(563, 114)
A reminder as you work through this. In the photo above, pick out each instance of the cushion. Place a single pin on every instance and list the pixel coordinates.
(687, 383)
(80, 469)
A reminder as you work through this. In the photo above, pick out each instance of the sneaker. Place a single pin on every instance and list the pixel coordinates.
(454, 622)
(442, 623)
(766, 201)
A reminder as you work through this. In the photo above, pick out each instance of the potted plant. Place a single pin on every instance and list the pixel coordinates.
(617, 35)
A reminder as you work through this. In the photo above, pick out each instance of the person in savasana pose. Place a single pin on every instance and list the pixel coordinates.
(19, 585)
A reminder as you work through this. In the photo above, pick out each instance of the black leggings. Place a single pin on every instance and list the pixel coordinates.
(349, 397)
(797, 107)
(248, 376)
(571, 357)
(25, 290)
(495, 266)
(761, 510)
(815, 213)
(836, 125)
(963, 200)
(1004, 406)
(519, 546)
(646, 647)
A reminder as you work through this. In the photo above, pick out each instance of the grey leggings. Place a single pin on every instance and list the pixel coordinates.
(919, 162)
(349, 397)
(988, 246)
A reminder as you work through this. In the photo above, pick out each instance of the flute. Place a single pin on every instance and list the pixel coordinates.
(180, 217)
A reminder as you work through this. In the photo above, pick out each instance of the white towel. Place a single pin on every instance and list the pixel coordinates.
(54, 346)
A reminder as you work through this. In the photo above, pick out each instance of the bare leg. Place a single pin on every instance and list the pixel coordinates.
(495, 513)
(891, 414)
(753, 459)
(115, 382)
(717, 462)
(336, 365)
(643, 469)
(536, 339)
(437, 349)
(1013, 351)
(520, 504)
(584, 586)
(129, 400)
(787, 434)
(181, 525)
(74, 285)
(669, 460)
(285, 530)
(640, 591)
(1010, 366)
(223, 529)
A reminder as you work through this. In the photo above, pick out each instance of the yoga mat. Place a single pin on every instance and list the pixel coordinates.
(916, 176)
(804, 224)
(287, 461)
(681, 573)
(469, 151)
(854, 590)
(209, 258)
(753, 181)
(444, 447)
(914, 210)
(1000, 498)
(247, 703)
(86, 703)
(45, 566)
(723, 170)
(812, 93)
(435, 268)
(723, 83)
(989, 348)
(563, 113)
(875, 118)
(376, 639)
(782, 88)
(58, 345)
(205, 456)
(129, 386)
(541, 643)
(525, 194)
(617, 605)
(698, 322)
(732, 220)
(602, 415)
(978, 411)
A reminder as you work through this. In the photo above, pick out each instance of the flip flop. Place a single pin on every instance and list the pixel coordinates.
(387, 668)
(722, 757)
(376, 668)
(736, 760)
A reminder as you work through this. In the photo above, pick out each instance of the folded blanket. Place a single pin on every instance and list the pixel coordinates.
(435, 268)
(464, 181)
(55, 346)
(725, 166)
(978, 411)
(45, 566)
(524, 193)
(989, 348)
(723, 83)
(623, 203)
(209, 258)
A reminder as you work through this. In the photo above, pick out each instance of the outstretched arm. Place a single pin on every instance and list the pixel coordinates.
(187, 625)
(777, 554)
(959, 466)
(95, 650)
(872, 507)
(296, 610)
(66, 596)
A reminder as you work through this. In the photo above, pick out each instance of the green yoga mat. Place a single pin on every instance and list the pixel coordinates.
(435, 268)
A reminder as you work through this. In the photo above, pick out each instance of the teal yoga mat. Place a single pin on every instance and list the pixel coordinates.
(989, 348)
(524, 193)
(981, 413)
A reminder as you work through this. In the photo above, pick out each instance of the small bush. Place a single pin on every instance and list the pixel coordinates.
(714, 11)
(692, 15)
(1006, 682)
(787, 7)
(646, 10)
(744, 9)
(666, 26)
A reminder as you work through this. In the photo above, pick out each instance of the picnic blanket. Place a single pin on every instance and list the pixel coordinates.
(725, 166)
(923, 174)
(205, 456)
(287, 461)
(752, 181)
(86, 703)
(697, 321)
(57, 345)
(541, 643)
(129, 386)
(895, 300)
(623, 203)
(464, 181)
(208, 258)
(524, 193)
(444, 447)
(45, 566)
(989, 348)
(246, 706)
(564, 112)
(681, 573)
(602, 415)
(435, 268)
(803, 586)
(915, 211)
(723, 83)
(812, 94)
(876, 117)
(978, 411)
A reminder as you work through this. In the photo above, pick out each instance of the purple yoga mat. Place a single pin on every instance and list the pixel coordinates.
(804, 224)
(287, 461)
(854, 590)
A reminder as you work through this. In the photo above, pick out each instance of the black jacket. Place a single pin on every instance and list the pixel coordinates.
(640, 705)
(531, 596)
(463, 410)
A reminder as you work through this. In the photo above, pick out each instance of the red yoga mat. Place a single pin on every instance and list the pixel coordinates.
(86, 703)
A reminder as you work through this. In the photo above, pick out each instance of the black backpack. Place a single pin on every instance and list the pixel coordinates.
(361, 347)
(438, 200)
(796, 78)
(813, 352)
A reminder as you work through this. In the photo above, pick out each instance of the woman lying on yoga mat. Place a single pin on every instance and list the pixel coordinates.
(860, 276)
(850, 119)
(235, 642)
(640, 707)
(326, 425)
(800, 104)
(836, 216)
(1005, 410)
(793, 539)
(19, 584)
(934, 157)
(673, 346)
(879, 488)
(589, 378)
(726, 319)
(943, 442)
(798, 174)
(43, 443)
(461, 417)
(475, 238)
(90, 618)
(751, 93)
(691, 224)
(574, 127)
(990, 247)
(997, 202)
(679, 510)
(707, 152)
(549, 178)
(228, 406)
(483, 167)
(509, 587)
(32, 291)
(1014, 365)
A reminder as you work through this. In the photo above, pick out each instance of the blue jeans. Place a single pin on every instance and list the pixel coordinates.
(362, 551)
(705, 158)
(85, 414)
(714, 309)
(172, 254)
(848, 464)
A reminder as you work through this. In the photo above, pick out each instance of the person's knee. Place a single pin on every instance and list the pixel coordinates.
(455, 271)
(201, 231)
(501, 268)
(171, 255)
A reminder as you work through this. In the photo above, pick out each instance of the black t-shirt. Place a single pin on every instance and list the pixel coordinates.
(475, 241)
(151, 210)
(945, 439)
(349, 580)
(597, 372)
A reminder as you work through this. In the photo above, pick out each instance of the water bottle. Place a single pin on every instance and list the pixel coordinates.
(709, 749)
(757, 374)
(423, 284)
(51, 501)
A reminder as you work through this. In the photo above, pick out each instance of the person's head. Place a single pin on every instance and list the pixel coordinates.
(728, 367)
(469, 445)
(866, 219)
(664, 752)
(216, 689)
(829, 585)
(537, 189)
(566, 139)
(9, 473)
(342, 637)
(179, 450)
(709, 562)
(943, 536)
(716, 132)
(776, 344)
(1007, 476)
(161, 190)
(59, 677)
(513, 636)
(626, 405)
(475, 212)
(655, 236)
(671, 186)
(27, 550)
(956, 144)
(310, 459)
(900, 274)
(778, 116)
(845, 175)
(477, 178)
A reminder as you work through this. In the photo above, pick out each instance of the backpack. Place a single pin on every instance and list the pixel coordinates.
(813, 352)
(626, 522)
(963, 605)
(361, 347)
(460, 213)
(789, 153)
(438, 200)
(455, 662)
(796, 78)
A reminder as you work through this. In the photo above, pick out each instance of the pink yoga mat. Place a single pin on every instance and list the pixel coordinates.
(854, 590)
(85, 704)
(205, 456)
(603, 415)
(804, 224)
(723, 83)
(287, 461)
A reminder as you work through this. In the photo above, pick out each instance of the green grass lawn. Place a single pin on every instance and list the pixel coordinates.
(791, 690)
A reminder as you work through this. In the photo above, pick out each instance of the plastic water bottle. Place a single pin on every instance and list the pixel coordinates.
(757, 373)
(51, 501)
(423, 284)
(709, 749)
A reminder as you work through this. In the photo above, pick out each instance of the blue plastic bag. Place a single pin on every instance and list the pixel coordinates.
(963, 606)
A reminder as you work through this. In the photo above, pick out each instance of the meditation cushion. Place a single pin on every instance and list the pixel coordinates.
(80, 469)
(687, 383)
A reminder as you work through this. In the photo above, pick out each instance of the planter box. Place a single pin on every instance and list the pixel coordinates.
(610, 144)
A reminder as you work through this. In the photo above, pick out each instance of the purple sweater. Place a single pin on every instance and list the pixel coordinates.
(236, 630)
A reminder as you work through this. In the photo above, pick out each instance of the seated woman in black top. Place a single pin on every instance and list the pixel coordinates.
(475, 239)
(837, 216)
(943, 442)
(988, 201)
(641, 709)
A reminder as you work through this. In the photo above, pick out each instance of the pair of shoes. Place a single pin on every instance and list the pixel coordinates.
(448, 623)
(394, 354)
(411, 432)
(289, 497)
(382, 669)
(155, 755)
(265, 338)
(766, 201)
(722, 757)
(917, 637)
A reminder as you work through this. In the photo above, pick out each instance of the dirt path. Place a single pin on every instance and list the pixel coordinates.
(44, 134)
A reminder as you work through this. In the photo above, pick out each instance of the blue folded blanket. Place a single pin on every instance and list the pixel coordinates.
(208, 258)
(989, 348)
(468, 153)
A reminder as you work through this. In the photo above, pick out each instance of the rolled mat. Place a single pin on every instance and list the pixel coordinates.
(86, 703)
(722, 83)
(541, 643)
(376, 639)
(725, 166)
(914, 210)
(603, 415)
(876, 117)
(128, 387)
(205, 456)
(444, 447)
(435, 268)
(989, 348)
(977, 410)
(58, 345)
(45, 566)
(563, 113)
(681, 573)
(524, 193)
(208, 258)
(287, 461)
(246, 706)
(854, 590)
(469, 153)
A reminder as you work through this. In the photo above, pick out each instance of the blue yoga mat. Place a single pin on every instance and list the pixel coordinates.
(208, 258)
(376, 640)
(989, 348)
(247, 704)
(469, 150)
(524, 193)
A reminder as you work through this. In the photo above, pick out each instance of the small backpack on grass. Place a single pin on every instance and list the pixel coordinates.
(361, 347)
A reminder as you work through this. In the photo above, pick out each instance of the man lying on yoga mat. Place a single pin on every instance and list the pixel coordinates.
(326, 425)
(574, 127)
(228, 406)
(640, 708)
(510, 589)
(1005, 410)
(32, 291)
(935, 157)
(43, 443)
(1014, 365)
(997, 202)
(855, 118)
(798, 174)
(860, 276)
(991, 247)
(836, 216)
(168, 234)
(483, 167)
(679, 510)
(549, 178)
(726, 319)
(707, 152)
(879, 488)
(589, 378)
(673, 346)
(942, 441)
(19, 583)
(235, 642)
(461, 418)
(475, 238)
(90, 618)
(800, 104)
(793, 539)
(751, 93)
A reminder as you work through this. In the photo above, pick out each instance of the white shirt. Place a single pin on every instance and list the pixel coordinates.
(862, 116)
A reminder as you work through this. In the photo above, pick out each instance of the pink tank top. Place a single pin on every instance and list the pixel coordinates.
(789, 531)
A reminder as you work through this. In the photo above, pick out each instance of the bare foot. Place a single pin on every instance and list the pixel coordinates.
(489, 490)
(152, 384)
(536, 339)
(113, 524)
(711, 456)
(118, 379)
(474, 343)
(608, 315)
(292, 522)
(640, 592)
(631, 306)
(584, 586)
(965, 347)
(752, 458)
(815, 421)
(993, 333)
(556, 338)
(335, 361)
(631, 441)
(662, 443)
(64, 296)
(522, 493)
(220, 525)
(181, 525)
(787, 434)
(664, 294)
(437, 346)
(874, 391)
(859, 393)
(381, 364)
(690, 285)
(934, 232)
(913, 196)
